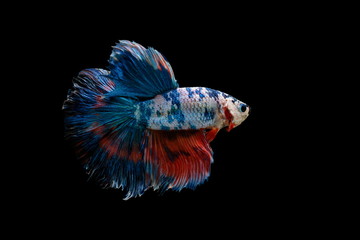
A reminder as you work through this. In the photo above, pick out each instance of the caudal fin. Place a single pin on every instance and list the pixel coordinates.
(105, 133)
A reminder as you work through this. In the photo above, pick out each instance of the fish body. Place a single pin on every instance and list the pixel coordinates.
(134, 128)
(187, 109)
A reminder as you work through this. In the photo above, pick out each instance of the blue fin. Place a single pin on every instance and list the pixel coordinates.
(139, 72)
(105, 133)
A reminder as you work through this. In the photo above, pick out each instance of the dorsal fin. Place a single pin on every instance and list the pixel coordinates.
(139, 72)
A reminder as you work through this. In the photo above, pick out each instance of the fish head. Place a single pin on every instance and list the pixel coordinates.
(235, 112)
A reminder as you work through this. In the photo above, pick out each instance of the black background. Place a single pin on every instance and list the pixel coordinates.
(256, 55)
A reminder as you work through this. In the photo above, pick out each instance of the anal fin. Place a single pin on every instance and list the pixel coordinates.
(183, 158)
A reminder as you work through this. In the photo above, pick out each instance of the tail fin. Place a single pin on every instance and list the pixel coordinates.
(105, 133)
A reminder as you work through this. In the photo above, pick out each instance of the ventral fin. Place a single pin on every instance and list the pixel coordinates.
(183, 158)
(211, 134)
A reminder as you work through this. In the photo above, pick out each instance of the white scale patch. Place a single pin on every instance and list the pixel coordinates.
(197, 110)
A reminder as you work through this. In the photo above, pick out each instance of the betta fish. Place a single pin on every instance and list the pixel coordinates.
(134, 128)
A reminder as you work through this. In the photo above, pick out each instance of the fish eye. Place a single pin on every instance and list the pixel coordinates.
(243, 107)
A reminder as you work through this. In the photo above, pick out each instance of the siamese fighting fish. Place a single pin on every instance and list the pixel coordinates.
(135, 129)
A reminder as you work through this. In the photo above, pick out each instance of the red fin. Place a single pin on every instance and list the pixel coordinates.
(116, 147)
(99, 101)
(230, 127)
(183, 157)
(211, 134)
(230, 118)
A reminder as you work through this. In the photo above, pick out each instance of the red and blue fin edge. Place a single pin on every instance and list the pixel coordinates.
(181, 158)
